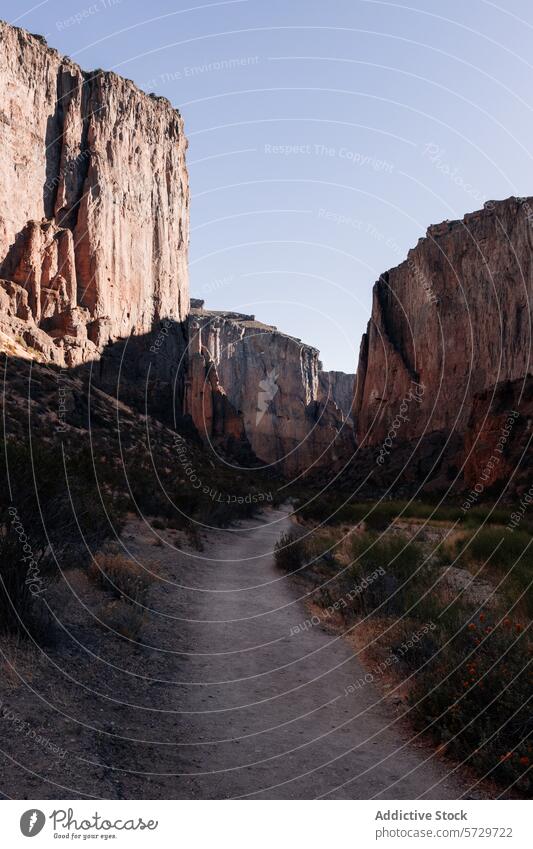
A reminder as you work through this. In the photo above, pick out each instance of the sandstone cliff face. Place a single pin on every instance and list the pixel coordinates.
(206, 401)
(272, 381)
(449, 322)
(339, 387)
(497, 447)
(94, 215)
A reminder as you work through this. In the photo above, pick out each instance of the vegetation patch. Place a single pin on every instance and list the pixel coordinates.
(462, 668)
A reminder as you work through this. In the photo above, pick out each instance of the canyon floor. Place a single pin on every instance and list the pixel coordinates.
(220, 700)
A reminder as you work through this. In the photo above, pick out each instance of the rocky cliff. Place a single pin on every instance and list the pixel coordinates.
(451, 321)
(94, 214)
(498, 445)
(93, 250)
(338, 387)
(271, 381)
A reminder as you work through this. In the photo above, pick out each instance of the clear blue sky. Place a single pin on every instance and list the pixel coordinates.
(323, 136)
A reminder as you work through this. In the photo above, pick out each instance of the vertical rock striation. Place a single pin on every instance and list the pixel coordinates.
(498, 448)
(451, 321)
(339, 387)
(94, 214)
(272, 381)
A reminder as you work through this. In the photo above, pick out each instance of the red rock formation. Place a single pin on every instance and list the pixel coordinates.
(453, 319)
(211, 411)
(339, 387)
(94, 188)
(498, 445)
(271, 380)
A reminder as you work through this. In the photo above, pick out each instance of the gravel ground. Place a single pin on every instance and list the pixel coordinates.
(219, 699)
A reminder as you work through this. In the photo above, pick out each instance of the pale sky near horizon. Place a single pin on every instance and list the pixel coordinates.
(323, 137)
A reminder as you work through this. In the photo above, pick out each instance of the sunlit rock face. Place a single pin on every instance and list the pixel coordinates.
(272, 381)
(94, 189)
(451, 321)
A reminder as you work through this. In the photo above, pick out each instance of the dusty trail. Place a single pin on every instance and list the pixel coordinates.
(219, 701)
(265, 712)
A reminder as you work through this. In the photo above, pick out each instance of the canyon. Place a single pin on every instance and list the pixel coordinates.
(94, 270)
(248, 576)
(454, 319)
(94, 252)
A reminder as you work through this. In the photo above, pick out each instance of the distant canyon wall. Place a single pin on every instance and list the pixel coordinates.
(338, 387)
(271, 381)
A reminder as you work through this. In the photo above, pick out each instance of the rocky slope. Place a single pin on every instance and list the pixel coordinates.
(451, 321)
(94, 216)
(271, 381)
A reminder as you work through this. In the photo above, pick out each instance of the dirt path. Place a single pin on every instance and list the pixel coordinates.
(267, 713)
(221, 701)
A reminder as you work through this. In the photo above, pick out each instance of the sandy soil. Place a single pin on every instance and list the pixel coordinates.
(221, 700)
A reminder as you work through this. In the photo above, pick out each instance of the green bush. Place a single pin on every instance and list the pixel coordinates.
(51, 516)
(290, 552)
(501, 555)
(475, 698)
(404, 577)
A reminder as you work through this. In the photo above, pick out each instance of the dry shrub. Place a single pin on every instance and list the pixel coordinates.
(123, 618)
(121, 576)
(290, 552)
